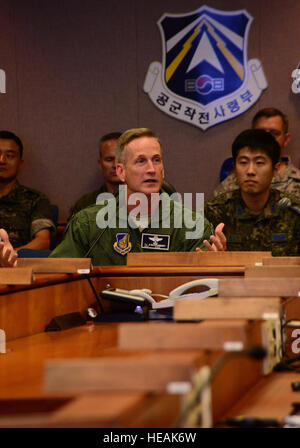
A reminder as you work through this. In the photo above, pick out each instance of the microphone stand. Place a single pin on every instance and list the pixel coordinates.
(255, 352)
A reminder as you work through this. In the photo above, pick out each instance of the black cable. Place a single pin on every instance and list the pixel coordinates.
(251, 422)
(95, 242)
(100, 234)
(95, 293)
(286, 364)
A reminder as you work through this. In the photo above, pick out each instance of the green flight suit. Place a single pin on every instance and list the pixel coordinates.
(114, 243)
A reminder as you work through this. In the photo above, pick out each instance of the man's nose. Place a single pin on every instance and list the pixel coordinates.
(150, 166)
(2, 157)
(251, 168)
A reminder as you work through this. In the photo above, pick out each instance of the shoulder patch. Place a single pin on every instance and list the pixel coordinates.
(122, 245)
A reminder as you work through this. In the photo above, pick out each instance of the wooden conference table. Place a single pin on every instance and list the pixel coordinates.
(27, 400)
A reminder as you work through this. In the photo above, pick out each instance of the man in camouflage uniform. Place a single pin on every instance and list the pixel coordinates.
(251, 214)
(25, 213)
(140, 168)
(287, 177)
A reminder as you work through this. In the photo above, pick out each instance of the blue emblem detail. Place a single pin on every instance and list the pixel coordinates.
(279, 236)
(122, 245)
(205, 53)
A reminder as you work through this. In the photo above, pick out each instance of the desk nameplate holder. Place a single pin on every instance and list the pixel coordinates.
(154, 373)
(209, 334)
(263, 287)
(227, 308)
(265, 271)
(195, 258)
(57, 265)
(206, 335)
(257, 297)
(273, 300)
(281, 261)
(16, 276)
(140, 373)
(92, 411)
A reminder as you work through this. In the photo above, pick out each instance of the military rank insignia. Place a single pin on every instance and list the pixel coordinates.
(204, 77)
(122, 245)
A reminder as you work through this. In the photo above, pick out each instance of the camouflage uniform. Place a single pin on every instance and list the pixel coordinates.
(23, 213)
(272, 230)
(114, 243)
(287, 180)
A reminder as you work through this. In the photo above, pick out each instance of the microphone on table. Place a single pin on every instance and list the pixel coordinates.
(286, 203)
(256, 352)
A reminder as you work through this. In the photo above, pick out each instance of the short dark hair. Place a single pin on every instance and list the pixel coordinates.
(257, 139)
(106, 137)
(7, 135)
(269, 112)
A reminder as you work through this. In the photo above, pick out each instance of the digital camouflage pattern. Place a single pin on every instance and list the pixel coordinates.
(23, 213)
(83, 231)
(273, 230)
(287, 180)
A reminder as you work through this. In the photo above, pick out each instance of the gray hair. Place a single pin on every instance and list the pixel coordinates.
(128, 136)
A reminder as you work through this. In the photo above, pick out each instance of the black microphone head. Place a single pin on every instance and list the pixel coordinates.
(257, 352)
(284, 203)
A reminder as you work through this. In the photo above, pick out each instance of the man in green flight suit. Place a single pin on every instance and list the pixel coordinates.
(140, 168)
(257, 217)
(107, 166)
(159, 224)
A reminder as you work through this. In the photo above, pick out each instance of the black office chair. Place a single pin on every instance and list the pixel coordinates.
(226, 168)
(53, 240)
(33, 253)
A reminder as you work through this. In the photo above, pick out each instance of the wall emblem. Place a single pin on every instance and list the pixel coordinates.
(205, 77)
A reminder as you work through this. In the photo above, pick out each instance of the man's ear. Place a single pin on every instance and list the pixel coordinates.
(120, 170)
(21, 165)
(276, 168)
(100, 164)
(287, 139)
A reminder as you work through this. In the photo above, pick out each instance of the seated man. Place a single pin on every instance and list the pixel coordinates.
(107, 166)
(140, 167)
(252, 216)
(25, 213)
(287, 176)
